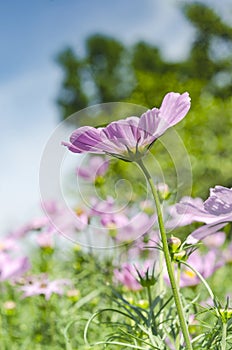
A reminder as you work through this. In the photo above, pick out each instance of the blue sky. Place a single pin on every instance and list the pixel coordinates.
(31, 34)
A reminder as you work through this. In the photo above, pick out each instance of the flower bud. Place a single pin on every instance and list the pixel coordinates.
(147, 281)
(73, 294)
(99, 181)
(163, 191)
(226, 314)
(9, 307)
(174, 243)
(112, 227)
(181, 255)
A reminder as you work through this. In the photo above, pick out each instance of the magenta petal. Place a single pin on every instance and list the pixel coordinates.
(86, 139)
(173, 109)
(84, 173)
(71, 147)
(203, 232)
(97, 166)
(223, 193)
(219, 201)
(148, 125)
(129, 137)
(155, 122)
(123, 132)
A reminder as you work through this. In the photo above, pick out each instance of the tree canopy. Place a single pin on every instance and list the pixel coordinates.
(111, 71)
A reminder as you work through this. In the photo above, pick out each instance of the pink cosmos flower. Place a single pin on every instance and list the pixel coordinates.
(124, 224)
(216, 240)
(216, 212)
(41, 285)
(45, 239)
(8, 243)
(206, 264)
(136, 227)
(103, 207)
(179, 215)
(227, 253)
(126, 276)
(12, 268)
(110, 215)
(34, 225)
(216, 209)
(129, 139)
(204, 231)
(65, 220)
(97, 166)
(116, 220)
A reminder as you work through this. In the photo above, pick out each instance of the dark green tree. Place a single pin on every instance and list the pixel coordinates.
(210, 58)
(110, 72)
(72, 95)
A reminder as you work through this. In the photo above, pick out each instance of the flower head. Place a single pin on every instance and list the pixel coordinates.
(41, 285)
(45, 239)
(206, 264)
(216, 212)
(129, 139)
(96, 167)
(130, 275)
(216, 209)
(12, 268)
(127, 276)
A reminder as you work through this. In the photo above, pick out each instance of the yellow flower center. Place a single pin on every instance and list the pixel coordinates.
(190, 273)
(79, 211)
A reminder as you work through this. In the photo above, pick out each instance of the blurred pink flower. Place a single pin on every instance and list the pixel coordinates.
(227, 254)
(102, 207)
(33, 225)
(45, 239)
(116, 220)
(129, 139)
(137, 226)
(8, 243)
(12, 268)
(41, 285)
(82, 218)
(205, 264)
(97, 166)
(127, 276)
(110, 215)
(215, 241)
(65, 220)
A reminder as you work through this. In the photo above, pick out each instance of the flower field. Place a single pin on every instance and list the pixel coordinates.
(127, 265)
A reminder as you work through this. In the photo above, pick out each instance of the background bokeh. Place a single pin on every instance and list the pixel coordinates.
(58, 57)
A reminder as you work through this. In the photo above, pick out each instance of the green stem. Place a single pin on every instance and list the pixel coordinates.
(175, 289)
(178, 275)
(149, 296)
(150, 304)
(161, 286)
(178, 286)
(224, 334)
